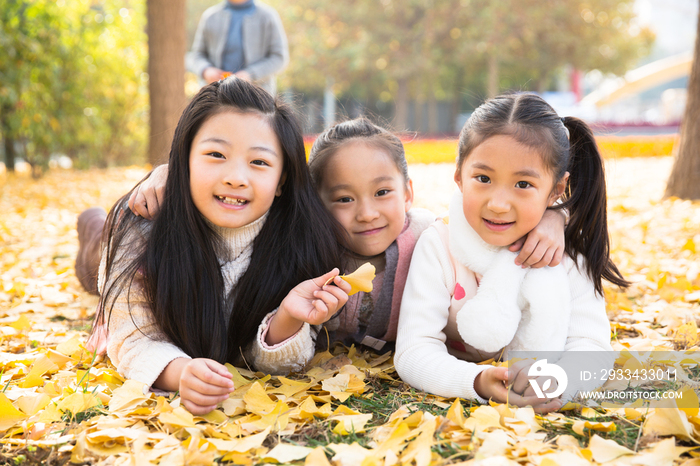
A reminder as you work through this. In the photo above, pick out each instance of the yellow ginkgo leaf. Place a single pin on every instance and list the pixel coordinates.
(352, 423)
(78, 402)
(360, 279)
(286, 453)
(9, 415)
(179, 417)
(34, 379)
(686, 335)
(23, 323)
(31, 404)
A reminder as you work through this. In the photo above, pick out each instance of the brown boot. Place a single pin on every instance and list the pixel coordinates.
(90, 225)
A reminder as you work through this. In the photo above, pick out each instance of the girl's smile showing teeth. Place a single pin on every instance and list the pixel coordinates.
(231, 201)
(236, 166)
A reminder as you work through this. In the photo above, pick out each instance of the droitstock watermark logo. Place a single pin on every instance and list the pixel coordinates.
(543, 369)
(618, 378)
(634, 395)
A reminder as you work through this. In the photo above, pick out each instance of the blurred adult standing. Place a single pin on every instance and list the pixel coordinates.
(241, 37)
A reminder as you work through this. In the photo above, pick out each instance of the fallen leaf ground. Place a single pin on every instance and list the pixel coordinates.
(348, 408)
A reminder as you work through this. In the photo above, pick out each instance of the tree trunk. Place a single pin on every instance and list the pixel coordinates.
(401, 116)
(166, 71)
(492, 83)
(684, 181)
(7, 139)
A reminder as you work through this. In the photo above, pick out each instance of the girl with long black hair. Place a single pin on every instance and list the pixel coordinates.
(234, 266)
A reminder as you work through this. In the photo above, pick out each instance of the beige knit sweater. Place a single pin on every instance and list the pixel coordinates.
(138, 349)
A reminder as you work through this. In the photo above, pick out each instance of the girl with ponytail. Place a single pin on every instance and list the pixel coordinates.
(465, 302)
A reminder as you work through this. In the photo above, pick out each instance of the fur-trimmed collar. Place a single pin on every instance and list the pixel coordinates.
(514, 308)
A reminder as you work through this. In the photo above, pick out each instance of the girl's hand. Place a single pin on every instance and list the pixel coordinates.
(544, 245)
(311, 301)
(147, 198)
(492, 384)
(520, 386)
(204, 383)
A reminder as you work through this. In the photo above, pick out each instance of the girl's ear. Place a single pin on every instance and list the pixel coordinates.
(283, 178)
(559, 189)
(408, 191)
(458, 178)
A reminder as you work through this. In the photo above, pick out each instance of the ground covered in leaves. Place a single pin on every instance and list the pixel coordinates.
(58, 404)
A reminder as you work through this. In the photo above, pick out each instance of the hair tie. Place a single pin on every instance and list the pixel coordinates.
(563, 122)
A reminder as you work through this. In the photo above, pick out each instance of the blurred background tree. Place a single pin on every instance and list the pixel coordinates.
(457, 51)
(72, 81)
(166, 73)
(685, 175)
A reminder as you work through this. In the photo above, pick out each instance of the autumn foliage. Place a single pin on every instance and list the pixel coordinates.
(348, 407)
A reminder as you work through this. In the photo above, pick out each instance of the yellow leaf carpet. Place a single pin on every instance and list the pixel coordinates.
(58, 404)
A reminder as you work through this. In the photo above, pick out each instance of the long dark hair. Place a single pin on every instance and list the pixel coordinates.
(177, 264)
(359, 129)
(567, 144)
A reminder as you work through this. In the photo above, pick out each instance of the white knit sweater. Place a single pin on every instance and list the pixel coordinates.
(422, 359)
(135, 344)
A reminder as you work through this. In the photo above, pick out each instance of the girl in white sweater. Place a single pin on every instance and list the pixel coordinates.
(234, 264)
(465, 302)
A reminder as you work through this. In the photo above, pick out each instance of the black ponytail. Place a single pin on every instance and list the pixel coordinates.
(586, 201)
(567, 144)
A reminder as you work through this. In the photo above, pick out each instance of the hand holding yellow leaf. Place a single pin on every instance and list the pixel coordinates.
(360, 279)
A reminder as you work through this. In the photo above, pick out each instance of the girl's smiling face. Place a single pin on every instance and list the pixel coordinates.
(365, 191)
(236, 167)
(506, 189)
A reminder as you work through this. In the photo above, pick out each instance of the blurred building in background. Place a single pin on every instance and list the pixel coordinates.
(651, 98)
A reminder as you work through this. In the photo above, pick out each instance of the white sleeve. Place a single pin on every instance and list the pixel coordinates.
(589, 327)
(589, 332)
(291, 355)
(421, 357)
(135, 344)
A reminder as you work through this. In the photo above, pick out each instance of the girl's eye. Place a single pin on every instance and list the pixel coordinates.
(523, 184)
(382, 192)
(482, 178)
(344, 200)
(217, 155)
(261, 163)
